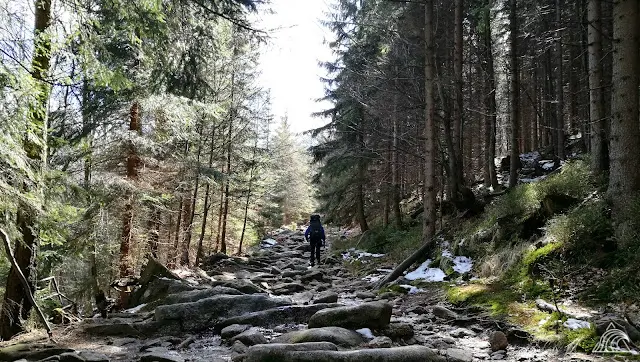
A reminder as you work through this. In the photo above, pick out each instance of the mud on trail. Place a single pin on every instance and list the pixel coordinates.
(271, 306)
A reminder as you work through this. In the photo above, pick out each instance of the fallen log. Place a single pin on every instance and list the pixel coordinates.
(397, 272)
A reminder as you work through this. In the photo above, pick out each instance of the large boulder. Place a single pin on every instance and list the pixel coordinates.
(397, 354)
(275, 352)
(336, 335)
(244, 286)
(191, 296)
(31, 351)
(326, 297)
(250, 337)
(233, 330)
(375, 315)
(206, 312)
(157, 289)
(621, 323)
(294, 314)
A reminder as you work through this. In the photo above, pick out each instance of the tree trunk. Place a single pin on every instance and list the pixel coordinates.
(173, 252)
(16, 305)
(458, 118)
(192, 207)
(205, 212)
(362, 174)
(624, 177)
(395, 176)
(514, 94)
(429, 220)
(246, 205)
(599, 154)
(153, 225)
(491, 117)
(559, 85)
(127, 238)
(225, 214)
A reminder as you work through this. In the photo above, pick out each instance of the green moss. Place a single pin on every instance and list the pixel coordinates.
(585, 339)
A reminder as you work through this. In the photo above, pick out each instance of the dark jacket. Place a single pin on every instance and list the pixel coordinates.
(308, 231)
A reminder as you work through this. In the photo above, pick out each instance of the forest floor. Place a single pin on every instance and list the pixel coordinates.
(260, 308)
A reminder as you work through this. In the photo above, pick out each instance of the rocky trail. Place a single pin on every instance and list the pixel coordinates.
(272, 307)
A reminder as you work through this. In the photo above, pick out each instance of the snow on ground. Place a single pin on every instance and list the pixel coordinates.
(135, 309)
(426, 273)
(462, 264)
(366, 333)
(534, 179)
(576, 324)
(267, 243)
(354, 254)
(411, 289)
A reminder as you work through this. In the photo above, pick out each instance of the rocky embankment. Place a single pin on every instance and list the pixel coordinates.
(272, 307)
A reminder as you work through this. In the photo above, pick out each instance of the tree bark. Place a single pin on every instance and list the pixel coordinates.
(362, 174)
(225, 214)
(154, 231)
(395, 175)
(559, 84)
(207, 206)
(491, 117)
(192, 209)
(429, 221)
(624, 177)
(599, 154)
(458, 119)
(127, 237)
(16, 305)
(514, 93)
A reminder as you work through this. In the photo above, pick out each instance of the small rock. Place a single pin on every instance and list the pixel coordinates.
(336, 335)
(365, 295)
(70, 357)
(119, 342)
(417, 310)
(380, 342)
(398, 330)
(314, 275)
(498, 341)
(444, 313)
(459, 355)
(462, 332)
(160, 357)
(326, 297)
(90, 356)
(239, 347)
(233, 330)
(250, 337)
(387, 295)
(375, 315)
(499, 355)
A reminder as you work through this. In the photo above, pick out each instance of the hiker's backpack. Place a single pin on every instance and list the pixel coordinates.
(315, 232)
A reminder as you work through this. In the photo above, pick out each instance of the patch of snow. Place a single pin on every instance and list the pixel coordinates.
(366, 333)
(462, 264)
(267, 243)
(426, 273)
(353, 254)
(576, 324)
(535, 179)
(135, 309)
(547, 165)
(412, 289)
(372, 278)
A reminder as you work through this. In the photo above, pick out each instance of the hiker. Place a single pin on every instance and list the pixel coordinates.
(315, 235)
